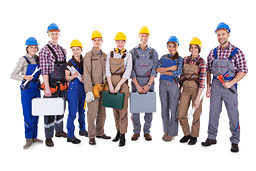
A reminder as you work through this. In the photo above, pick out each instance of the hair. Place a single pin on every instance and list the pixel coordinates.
(28, 46)
(198, 47)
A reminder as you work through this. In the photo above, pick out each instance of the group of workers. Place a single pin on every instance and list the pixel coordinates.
(182, 81)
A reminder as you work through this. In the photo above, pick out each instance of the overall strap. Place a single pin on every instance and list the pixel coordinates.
(55, 55)
(27, 60)
(74, 64)
(233, 53)
(215, 53)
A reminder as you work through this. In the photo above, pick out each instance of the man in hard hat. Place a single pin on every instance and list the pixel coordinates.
(52, 59)
(76, 93)
(229, 62)
(94, 84)
(145, 60)
(118, 71)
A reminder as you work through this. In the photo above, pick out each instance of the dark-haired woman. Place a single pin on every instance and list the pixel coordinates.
(170, 68)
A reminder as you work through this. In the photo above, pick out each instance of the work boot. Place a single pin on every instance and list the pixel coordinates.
(168, 138)
(209, 142)
(192, 141)
(92, 141)
(185, 139)
(122, 140)
(234, 148)
(165, 134)
(49, 142)
(83, 133)
(61, 134)
(104, 136)
(29, 142)
(148, 137)
(117, 137)
(36, 140)
(74, 140)
(135, 137)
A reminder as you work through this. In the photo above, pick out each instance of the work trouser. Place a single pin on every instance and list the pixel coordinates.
(54, 121)
(169, 95)
(190, 91)
(219, 94)
(97, 112)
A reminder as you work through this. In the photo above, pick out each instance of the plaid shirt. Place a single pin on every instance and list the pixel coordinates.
(238, 59)
(47, 58)
(201, 70)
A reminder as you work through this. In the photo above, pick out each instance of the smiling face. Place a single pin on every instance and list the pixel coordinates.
(222, 36)
(120, 44)
(76, 51)
(172, 48)
(32, 50)
(97, 42)
(194, 50)
(144, 39)
(54, 36)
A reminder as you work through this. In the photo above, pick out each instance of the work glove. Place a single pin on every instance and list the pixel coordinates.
(89, 97)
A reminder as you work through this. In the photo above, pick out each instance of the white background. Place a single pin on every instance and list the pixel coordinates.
(77, 20)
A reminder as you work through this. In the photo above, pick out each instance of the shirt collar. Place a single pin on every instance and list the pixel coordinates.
(147, 47)
(228, 47)
(96, 52)
(74, 59)
(52, 45)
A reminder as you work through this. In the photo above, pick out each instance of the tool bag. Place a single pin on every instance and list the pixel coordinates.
(143, 103)
(115, 101)
(48, 106)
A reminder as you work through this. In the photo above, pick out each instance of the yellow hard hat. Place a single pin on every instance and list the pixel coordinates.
(144, 30)
(196, 41)
(96, 34)
(76, 43)
(120, 36)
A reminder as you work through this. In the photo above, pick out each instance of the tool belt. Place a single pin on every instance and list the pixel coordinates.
(196, 79)
(54, 89)
(97, 88)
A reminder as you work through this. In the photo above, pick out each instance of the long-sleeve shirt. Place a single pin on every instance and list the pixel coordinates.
(238, 59)
(47, 58)
(177, 72)
(127, 64)
(201, 69)
(21, 67)
(144, 54)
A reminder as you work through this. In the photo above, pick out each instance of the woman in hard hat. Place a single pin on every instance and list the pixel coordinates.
(192, 84)
(118, 71)
(76, 93)
(30, 88)
(170, 68)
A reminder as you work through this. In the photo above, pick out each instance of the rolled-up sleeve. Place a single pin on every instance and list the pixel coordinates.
(43, 59)
(241, 62)
(178, 72)
(209, 61)
(128, 66)
(155, 64)
(133, 74)
(16, 74)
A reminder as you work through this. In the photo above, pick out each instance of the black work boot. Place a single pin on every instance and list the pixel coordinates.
(117, 137)
(192, 141)
(83, 133)
(209, 142)
(122, 140)
(234, 148)
(185, 139)
(74, 140)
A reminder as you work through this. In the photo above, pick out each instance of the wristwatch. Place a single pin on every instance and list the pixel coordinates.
(149, 85)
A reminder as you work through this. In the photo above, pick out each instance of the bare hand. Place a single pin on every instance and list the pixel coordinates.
(139, 89)
(208, 93)
(75, 75)
(173, 68)
(28, 77)
(111, 88)
(196, 103)
(145, 89)
(227, 84)
(117, 88)
(47, 92)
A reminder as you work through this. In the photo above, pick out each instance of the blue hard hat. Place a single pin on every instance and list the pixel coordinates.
(222, 26)
(31, 41)
(52, 26)
(173, 39)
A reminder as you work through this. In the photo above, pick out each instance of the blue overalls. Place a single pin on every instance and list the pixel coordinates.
(169, 95)
(76, 99)
(30, 91)
(224, 67)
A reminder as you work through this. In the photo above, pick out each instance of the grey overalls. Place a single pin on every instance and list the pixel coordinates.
(224, 67)
(144, 66)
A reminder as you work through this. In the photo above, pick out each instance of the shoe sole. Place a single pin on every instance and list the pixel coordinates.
(209, 144)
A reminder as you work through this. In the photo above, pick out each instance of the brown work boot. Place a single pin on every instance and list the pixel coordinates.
(148, 137)
(104, 136)
(49, 142)
(92, 141)
(29, 142)
(168, 138)
(36, 140)
(61, 134)
(165, 134)
(135, 137)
